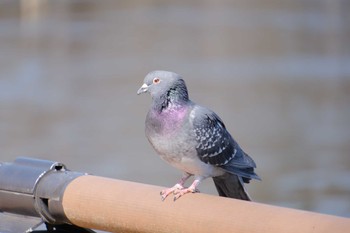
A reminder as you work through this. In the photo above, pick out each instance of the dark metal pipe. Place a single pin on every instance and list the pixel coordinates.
(33, 187)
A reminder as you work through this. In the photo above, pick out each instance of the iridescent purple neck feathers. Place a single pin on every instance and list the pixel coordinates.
(171, 99)
(166, 122)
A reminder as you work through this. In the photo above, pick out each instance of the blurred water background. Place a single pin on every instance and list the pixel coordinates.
(277, 72)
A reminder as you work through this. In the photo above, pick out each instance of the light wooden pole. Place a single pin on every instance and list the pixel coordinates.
(122, 206)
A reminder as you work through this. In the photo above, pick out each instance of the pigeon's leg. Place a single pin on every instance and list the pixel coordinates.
(192, 189)
(164, 193)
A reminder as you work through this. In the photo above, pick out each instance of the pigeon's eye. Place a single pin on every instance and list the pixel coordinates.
(156, 80)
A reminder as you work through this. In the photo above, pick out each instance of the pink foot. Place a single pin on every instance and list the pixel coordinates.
(180, 192)
(164, 193)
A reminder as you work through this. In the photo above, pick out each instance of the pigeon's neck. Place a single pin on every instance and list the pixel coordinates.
(165, 121)
(171, 100)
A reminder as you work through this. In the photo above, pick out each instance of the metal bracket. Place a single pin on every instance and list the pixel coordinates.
(34, 188)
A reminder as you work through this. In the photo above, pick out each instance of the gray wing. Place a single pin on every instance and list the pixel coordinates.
(216, 146)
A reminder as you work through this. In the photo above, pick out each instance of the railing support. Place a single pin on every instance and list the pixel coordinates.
(59, 196)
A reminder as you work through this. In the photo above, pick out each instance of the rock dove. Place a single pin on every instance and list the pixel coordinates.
(193, 139)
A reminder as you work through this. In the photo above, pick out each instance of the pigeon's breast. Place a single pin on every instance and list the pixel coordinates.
(169, 134)
(167, 123)
(173, 139)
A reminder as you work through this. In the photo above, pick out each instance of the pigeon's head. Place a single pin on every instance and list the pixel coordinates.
(164, 86)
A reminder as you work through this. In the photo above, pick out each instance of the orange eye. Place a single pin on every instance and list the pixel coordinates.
(156, 80)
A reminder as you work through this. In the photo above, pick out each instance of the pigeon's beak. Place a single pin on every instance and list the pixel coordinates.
(142, 89)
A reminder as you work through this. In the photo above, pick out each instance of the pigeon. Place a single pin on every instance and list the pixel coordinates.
(193, 139)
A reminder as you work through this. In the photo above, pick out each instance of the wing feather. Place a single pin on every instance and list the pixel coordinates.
(214, 143)
(216, 146)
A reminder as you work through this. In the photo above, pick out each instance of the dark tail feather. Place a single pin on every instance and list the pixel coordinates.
(230, 185)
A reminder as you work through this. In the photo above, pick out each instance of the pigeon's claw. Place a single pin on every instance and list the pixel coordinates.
(164, 193)
(192, 189)
(180, 192)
